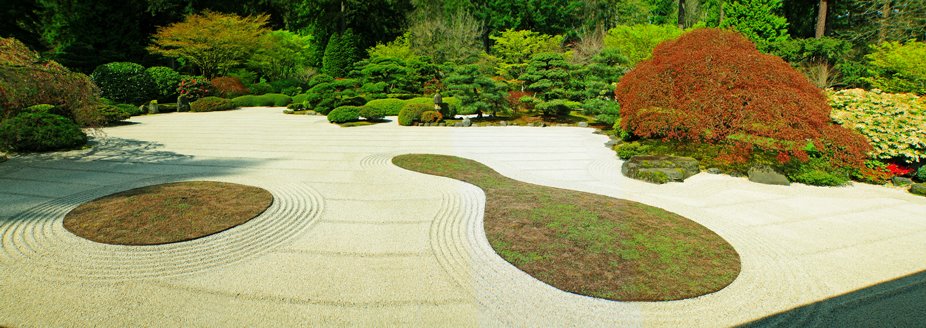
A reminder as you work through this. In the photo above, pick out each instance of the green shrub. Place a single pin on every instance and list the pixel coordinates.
(287, 87)
(267, 100)
(815, 177)
(636, 42)
(261, 88)
(246, 101)
(899, 67)
(165, 80)
(344, 114)
(112, 114)
(277, 100)
(894, 124)
(604, 111)
(41, 108)
(130, 109)
(921, 173)
(411, 113)
(300, 98)
(40, 132)
(431, 117)
(210, 104)
(557, 107)
(630, 149)
(124, 82)
(371, 114)
(388, 106)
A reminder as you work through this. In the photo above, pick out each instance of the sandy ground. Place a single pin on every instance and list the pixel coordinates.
(353, 240)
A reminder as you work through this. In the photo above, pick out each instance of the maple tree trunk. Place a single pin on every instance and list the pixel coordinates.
(821, 19)
(681, 14)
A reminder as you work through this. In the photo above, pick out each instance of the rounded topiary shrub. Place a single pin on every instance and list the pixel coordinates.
(37, 131)
(372, 114)
(344, 114)
(124, 82)
(166, 81)
(411, 113)
(713, 86)
(211, 104)
(112, 114)
(229, 87)
(389, 106)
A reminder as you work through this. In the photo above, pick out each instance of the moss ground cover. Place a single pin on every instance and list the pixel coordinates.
(167, 213)
(591, 244)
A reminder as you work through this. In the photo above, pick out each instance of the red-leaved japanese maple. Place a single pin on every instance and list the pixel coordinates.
(713, 86)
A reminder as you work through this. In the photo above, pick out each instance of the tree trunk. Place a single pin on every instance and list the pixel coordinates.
(720, 21)
(885, 17)
(681, 14)
(821, 19)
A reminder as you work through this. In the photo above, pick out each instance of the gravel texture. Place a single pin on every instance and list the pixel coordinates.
(351, 239)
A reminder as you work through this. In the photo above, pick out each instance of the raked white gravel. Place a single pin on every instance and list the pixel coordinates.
(353, 240)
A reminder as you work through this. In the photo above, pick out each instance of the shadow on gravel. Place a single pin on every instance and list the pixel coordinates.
(896, 303)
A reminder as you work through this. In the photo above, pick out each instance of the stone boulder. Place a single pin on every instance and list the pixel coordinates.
(901, 181)
(767, 175)
(660, 169)
(918, 189)
(467, 122)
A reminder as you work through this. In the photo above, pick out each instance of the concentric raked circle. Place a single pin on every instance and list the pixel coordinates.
(38, 240)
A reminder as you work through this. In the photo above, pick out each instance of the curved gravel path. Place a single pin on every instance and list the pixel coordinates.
(353, 240)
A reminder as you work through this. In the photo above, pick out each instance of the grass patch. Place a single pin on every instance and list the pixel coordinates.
(591, 244)
(167, 213)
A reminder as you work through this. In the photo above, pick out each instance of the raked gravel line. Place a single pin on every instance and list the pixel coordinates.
(353, 240)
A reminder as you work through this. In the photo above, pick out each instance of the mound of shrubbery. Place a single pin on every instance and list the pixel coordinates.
(344, 114)
(713, 87)
(124, 82)
(40, 131)
(266, 100)
(211, 104)
(389, 106)
(27, 80)
(411, 113)
(165, 80)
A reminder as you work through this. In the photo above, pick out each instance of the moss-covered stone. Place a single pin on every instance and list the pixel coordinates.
(660, 169)
(918, 189)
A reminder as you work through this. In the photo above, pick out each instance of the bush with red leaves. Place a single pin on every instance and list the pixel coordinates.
(713, 86)
(27, 80)
(229, 87)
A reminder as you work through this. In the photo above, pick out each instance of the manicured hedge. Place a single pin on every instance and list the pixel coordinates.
(166, 81)
(210, 104)
(372, 114)
(344, 114)
(267, 100)
(38, 131)
(389, 106)
(411, 113)
(124, 82)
